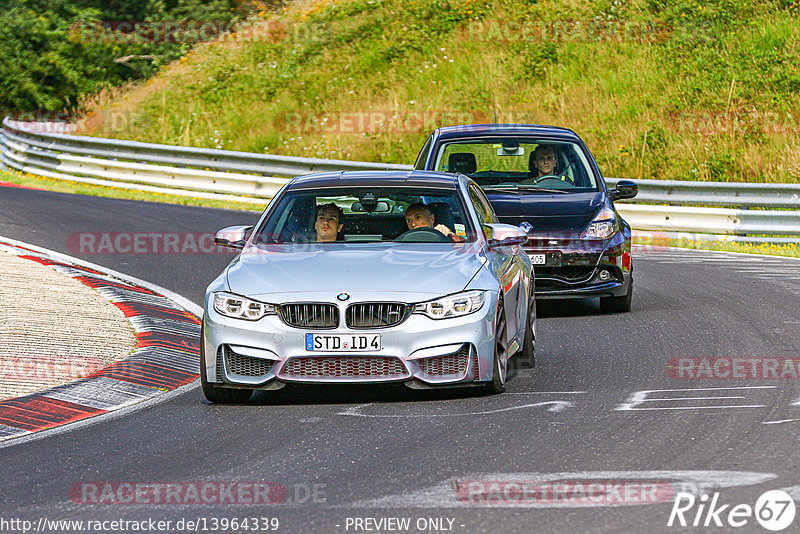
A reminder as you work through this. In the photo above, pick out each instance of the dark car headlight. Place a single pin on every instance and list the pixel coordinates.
(239, 307)
(456, 305)
(603, 226)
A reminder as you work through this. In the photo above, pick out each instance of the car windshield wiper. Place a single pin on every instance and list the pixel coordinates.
(523, 188)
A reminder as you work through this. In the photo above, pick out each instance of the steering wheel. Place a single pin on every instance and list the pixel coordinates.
(425, 234)
(554, 178)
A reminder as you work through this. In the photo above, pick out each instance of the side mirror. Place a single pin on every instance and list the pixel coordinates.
(232, 236)
(625, 189)
(506, 235)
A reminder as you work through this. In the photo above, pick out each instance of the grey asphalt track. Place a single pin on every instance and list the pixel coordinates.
(380, 453)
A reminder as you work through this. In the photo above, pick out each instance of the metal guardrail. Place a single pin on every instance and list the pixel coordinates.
(165, 168)
(256, 178)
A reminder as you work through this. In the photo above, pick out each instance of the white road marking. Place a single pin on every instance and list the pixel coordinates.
(640, 397)
(554, 406)
(779, 422)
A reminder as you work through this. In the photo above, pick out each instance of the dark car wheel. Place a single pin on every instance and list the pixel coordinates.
(618, 304)
(498, 383)
(216, 394)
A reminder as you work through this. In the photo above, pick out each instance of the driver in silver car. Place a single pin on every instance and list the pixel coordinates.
(329, 222)
(419, 215)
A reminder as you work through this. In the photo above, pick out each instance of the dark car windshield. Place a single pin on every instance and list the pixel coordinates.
(520, 164)
(366, 214)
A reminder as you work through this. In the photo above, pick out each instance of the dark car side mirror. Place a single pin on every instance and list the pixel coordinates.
(625, 189)
(232, 236)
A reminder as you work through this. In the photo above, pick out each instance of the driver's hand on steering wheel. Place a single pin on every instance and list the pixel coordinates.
(449, 233)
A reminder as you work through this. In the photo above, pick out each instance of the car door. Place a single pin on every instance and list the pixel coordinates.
(504, 264)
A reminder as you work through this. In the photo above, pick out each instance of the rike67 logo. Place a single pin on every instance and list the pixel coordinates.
(774, 510)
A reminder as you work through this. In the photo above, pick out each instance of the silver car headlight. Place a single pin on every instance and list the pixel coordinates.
(453, 306)
(239, 307)
(603, 226)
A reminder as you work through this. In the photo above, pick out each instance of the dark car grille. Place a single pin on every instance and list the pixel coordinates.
(344, 367)
(448, 364)
(376, 314)
(567, 274)
(241, 365)
(310, 315)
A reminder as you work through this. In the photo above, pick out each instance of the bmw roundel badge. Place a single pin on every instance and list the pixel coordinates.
(343, 296)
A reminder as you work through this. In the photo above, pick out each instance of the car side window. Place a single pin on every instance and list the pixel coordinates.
(482, 206)
(423, 155)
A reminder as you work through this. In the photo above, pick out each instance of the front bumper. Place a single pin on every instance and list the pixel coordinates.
(420, 352)
(581, 268)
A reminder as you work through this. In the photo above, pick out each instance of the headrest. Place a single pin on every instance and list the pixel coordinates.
(462, 162)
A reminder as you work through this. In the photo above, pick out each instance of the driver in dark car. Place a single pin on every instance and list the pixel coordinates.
(544, 160)
(419, 215)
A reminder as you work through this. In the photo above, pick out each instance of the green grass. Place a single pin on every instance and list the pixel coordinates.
(692, 89)
(64, 186)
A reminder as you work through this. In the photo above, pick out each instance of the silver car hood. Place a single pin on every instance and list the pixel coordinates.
(357, 268)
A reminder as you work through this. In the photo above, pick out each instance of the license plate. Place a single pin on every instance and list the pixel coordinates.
(538, 259)
(343, 342)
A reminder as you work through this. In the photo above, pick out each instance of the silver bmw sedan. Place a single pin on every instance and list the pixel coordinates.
(369, 277)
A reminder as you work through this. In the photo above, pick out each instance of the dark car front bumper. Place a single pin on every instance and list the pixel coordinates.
(576, 268)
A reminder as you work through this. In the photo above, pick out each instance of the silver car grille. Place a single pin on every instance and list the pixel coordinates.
(376, 314)
(447, 364)
(241, 365)
(310, 315)
(344, 367)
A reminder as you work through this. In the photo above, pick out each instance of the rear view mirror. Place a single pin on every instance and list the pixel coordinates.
(380, 206)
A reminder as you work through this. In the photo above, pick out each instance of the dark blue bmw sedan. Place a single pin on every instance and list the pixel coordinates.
(545, 180)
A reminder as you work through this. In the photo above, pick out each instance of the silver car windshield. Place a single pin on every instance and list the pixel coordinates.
(520, 164)
(367, 214)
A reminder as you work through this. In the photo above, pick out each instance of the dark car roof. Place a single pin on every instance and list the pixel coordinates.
(485, 130)
(441, 180)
